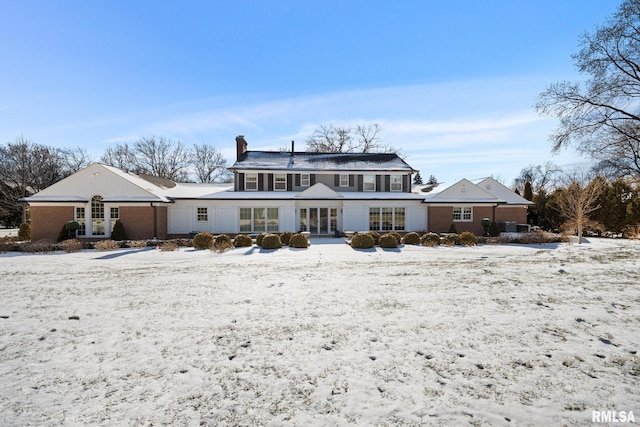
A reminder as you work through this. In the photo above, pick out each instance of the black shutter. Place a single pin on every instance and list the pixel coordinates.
(312, 179)
(387, 183)
(270, 182)
(240, 182)
(378, 182)
(289, 182)
(405, 183)
(297, 180)
(360, 183)
(260, 182)
(351, 179)
(336, 180)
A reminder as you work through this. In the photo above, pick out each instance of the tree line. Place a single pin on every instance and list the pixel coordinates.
(27, 167)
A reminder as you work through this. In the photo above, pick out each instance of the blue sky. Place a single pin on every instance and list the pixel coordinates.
(452, 83)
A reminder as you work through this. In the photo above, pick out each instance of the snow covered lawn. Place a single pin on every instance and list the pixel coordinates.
(491, 335)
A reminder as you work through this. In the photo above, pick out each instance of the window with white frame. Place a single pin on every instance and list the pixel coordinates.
(114, 215)
(202, 215)
(344, 180)
(251, 181)
(396, 182)
(387, 219)
(97, 216)
(305, 180)
(82, 221)
(280, 182)
(256, 220)
(463, 213)
(369, 183)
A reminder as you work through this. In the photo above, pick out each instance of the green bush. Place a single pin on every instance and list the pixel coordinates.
(494, 230)
(242, 240)
(222, 243)
(64, 234)
(452, 229)
(363, 241)
(24, 232)
(375, 236)
(467, 238)
(259, 238)
(203, 240)
(299, 240)
(411, 238)
(285, 237)
(430, 239)
(389, 240)
(450, 239)
(271, 241)
(118, 232)
(396, 235)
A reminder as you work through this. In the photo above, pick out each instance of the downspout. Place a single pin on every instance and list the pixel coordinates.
(155, 221)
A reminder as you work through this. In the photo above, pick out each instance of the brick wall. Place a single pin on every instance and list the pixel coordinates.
(137, 221)
(517, 214)
(47, 221)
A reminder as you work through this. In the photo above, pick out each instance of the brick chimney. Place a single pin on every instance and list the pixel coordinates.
(241, 146)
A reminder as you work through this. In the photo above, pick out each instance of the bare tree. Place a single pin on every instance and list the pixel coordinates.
(162, 157)
(208, 163)
(579, 198)
(540, 177)
(120, 156)
(601, 116)
(76, 158)
(362, 139)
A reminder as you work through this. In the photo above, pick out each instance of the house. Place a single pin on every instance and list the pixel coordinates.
(320, 193)
(464, 204)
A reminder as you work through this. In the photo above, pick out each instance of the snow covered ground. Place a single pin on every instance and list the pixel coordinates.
(490, 335)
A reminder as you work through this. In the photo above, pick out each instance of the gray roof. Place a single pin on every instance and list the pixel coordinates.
(305, 161)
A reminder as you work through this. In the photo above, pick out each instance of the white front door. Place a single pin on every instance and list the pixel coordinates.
(318, 220)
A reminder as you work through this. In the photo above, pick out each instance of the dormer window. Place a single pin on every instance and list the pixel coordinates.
(280, 182)
(396, 182)
(369, 183)
(251, 182)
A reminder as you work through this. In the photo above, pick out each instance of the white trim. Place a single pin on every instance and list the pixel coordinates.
(246, 180)
(463, 211)
(341, 184)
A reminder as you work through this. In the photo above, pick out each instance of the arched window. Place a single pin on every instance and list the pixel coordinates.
(97, 216)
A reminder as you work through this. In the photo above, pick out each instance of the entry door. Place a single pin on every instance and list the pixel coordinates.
(318, 220)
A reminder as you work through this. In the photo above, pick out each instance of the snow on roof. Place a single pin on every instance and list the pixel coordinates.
(487, 191)
(319, 195)
(304, 161)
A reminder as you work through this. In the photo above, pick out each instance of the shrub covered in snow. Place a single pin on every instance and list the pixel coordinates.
(363, 241)
(375, 236)
(467, 238)
(242, 240)
(389, 240)
(271, 241)
(430, 239)
(285, 237)
(299, 240)
(203, 240)
(411, 238)
(450, 239)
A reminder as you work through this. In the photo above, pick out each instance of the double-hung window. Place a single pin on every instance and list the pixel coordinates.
(251, 182)
(463, 213)
(396, 182)
(369, 183)
(280, 182)
(305, 180)
(344, 180)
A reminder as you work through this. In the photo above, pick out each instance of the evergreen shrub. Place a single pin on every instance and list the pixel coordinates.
(24, 232)
(259, 238)
(411, 238)
(396, 235)
(450, 239)
(430, 239)
(375, 236)
(299, 240)
(388, 240)
(203, 240)
(494, 230)
(222, 243)
(363, 241)
(271, 241)
(118, 233)
(242, 240)
(285, 237)
(467, 238)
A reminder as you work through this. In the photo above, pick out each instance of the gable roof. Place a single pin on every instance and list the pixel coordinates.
(306, 161)
(318, 191)
(487, 191)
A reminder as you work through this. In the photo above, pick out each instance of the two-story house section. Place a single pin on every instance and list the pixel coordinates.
(320, 193)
